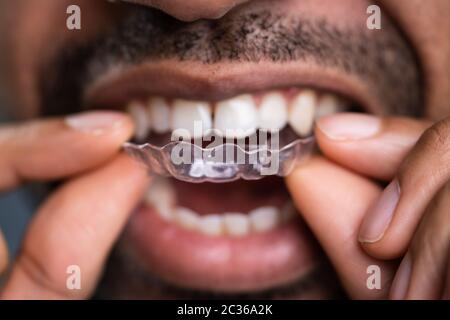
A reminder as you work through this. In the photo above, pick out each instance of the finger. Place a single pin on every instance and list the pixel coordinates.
(423, 271)
(333, 201)
(48, 149)
(446, 295)
(76, 227)
(366, 144)
(389, 225)
(3, 253)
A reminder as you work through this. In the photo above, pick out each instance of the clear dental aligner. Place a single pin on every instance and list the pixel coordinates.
(290, 112)
(206, 167)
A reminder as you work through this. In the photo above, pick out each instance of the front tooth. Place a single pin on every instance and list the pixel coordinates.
(236, 224)
(264, 218)
(187, 218)
(328, 104)
(159, 113)
(161, 196)
(211, 225)
(273, 113)
(140, 118)
(187, 113)
(236, 117)
(301, 115)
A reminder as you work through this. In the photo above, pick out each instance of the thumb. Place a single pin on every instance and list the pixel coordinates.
(333, 201)
(367, 144)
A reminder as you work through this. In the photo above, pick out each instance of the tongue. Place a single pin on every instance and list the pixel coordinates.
(239, 196)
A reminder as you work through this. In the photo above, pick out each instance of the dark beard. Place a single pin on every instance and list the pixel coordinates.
(383, 58)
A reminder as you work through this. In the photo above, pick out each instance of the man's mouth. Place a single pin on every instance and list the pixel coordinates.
(251, 70)
(243, 236)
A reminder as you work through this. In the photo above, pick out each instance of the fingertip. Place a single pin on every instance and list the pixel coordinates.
(301, 171)
(127, 164)
(114, 124)
(4, 257)
(349, 126)
(370, 145)
(383, 249)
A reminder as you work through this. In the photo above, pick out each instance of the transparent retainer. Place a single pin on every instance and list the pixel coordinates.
(222, 163)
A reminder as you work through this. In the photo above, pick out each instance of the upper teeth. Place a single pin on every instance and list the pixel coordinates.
(328, 104)
(236, 117)
(159, 114)
(273, 112)
(140, 118)
(161, 197)
(302, 111)
(185, 113)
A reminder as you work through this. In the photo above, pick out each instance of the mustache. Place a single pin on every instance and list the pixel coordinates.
(383, 59)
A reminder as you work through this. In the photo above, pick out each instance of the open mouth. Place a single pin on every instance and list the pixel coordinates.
(247, 136)
(241, 236)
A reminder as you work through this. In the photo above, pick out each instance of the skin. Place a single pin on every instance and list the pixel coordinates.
(413, 152)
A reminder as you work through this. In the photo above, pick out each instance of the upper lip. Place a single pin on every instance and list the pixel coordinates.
(213, 83)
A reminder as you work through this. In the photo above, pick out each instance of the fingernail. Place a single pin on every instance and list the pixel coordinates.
(95, 122)
(401, 280)
(349, 126)
(380, 214)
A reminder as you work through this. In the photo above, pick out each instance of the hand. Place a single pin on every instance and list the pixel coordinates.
(79, 223)
(342, 203)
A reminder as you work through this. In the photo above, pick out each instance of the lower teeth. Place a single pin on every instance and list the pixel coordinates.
(161, 197)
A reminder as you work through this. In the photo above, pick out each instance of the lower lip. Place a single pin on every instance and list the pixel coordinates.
(192, 260)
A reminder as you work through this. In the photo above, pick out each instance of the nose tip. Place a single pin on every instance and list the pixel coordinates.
(192, 9)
